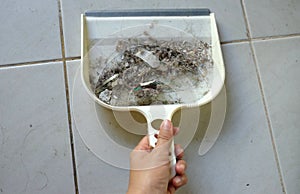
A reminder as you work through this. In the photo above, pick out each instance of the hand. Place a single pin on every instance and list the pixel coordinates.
(150, 168)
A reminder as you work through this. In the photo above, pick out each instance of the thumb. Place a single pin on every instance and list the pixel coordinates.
(165, 132)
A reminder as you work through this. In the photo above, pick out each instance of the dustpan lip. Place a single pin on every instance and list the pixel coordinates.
(148, 12)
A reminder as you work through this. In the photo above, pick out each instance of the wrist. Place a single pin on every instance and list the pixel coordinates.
(143, 190)
(136, 190)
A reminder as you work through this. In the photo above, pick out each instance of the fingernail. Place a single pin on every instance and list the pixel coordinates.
(166, 125)
(177, 180)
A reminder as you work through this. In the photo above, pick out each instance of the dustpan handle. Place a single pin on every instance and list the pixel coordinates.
(153, 113)
(172, 157)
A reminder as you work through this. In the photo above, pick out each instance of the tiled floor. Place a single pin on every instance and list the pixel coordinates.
(35, 154)
(29, 31)
(257, 151)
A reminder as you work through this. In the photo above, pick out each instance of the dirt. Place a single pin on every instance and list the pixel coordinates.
(150, 72)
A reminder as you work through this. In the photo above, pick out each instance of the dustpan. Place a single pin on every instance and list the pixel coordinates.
(101, 30)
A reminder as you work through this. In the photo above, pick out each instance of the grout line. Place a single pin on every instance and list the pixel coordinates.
(263, 97)
(246, 21)
(67, 96)
(30, 63)
(266, 38)
(235, 41)
(39, 62)
(72, 58)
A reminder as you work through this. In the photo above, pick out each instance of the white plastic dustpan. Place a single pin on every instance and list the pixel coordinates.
(107, 27)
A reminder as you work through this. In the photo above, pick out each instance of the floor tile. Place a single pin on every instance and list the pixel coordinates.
(29, 31)
(241, 161)
(228, 13)
(34, 139)
(279, 64)
(272, 18)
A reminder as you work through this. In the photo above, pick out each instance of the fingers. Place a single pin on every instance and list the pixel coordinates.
(179, 181)
(171, 189)
(175, 130)
(181, 164)
(165, 132)
(179, 151)
(143, 144)
(180, 167)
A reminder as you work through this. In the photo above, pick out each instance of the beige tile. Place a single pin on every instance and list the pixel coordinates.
(279, 64)
(273, 18)
(29, 31)
(34, 134)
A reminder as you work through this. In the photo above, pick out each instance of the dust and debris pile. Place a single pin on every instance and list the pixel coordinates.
(151, 72)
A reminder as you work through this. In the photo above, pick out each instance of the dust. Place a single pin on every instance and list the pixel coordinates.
(152, 72)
